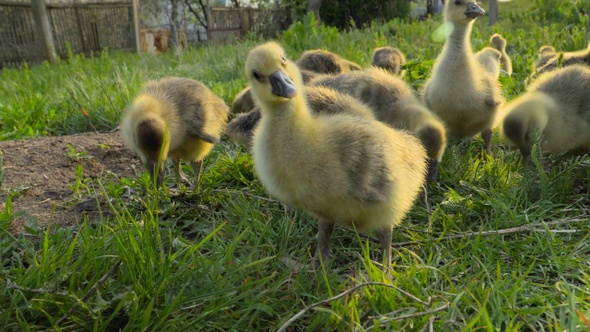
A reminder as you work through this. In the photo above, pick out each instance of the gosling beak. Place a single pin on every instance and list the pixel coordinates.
(526, 152)
(474, 11)
(155, 172)
(282, 85)
(432, 170)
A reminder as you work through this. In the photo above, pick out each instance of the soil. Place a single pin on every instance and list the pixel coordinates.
(41, 174)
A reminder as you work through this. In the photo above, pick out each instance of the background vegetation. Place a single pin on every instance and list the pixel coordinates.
(218, 259)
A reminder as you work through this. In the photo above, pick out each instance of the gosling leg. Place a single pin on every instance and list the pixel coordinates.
(323, 252)
(487, 139)
(197, 166)
(180, 176)
(384, 237)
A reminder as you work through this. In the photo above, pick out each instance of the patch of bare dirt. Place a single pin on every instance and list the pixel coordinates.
(42, 172)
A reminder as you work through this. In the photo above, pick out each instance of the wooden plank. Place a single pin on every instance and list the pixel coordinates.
(80, 30)
(64, 5)
(15, 4)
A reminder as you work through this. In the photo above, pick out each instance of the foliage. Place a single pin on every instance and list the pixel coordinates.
(358, 13)
(215, 260)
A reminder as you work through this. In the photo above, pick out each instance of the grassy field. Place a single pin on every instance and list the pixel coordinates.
(216, 260)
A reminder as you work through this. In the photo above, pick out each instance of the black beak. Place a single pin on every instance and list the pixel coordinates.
(282, 85)
(474, 11)
(432, 170)
(526, 152)
(155, 172)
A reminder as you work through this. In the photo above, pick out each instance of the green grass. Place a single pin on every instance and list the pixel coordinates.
(213, 260)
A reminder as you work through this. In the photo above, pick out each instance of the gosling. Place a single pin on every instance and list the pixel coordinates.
(460, 90)
(325, 62)
(498, 42)
(342, 169)
(394, 103)
(243, 102)
(557, 60)
(174, 117)
(490, 59)
(557, 105)
(390, 59)
(320, 100)
(546, 52)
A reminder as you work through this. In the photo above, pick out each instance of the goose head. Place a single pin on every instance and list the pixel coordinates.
(272, 77)
(527, 117)
(462, 12)
(498, 42)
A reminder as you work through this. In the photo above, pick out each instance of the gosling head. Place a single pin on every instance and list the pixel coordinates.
(273, 78)
(462, 12)
(527, 117)
(498, 42)
(546, 50)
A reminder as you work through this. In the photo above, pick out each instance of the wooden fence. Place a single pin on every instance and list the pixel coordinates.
(79, 28)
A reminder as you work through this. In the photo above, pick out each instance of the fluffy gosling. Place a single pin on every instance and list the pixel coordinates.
(554, 60)
(557, 105)
(490, 59)
(460, 90)
(174, 117)
(394, 103)
(325, 62)
(342, 169)
(389, 58)
(498, 42)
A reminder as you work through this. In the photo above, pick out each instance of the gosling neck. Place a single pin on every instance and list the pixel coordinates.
(539, 110)
(287, 111)
(459, 39)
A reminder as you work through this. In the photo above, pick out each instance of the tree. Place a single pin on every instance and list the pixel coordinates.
(174, 44)
(44, 29)
(493, 11)
(199, 10)
(344, 13)
(153, 11)
(429, 8)
(314, 6)
(434, 7)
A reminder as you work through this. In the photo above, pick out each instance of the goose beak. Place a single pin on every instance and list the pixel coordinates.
(432, 170)
(282, 85)
(474, 11)
(152, 167)
(526, 152)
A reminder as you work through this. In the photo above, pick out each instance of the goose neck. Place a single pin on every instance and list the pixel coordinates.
(459, 37)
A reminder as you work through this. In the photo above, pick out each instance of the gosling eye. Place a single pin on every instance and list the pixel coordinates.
(257, 76)
(284, 62)
(458, 2)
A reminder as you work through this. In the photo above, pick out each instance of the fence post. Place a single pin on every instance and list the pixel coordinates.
(44, 29)
(136, 25)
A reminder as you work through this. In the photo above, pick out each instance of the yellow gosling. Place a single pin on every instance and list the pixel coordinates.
(557, 106)
(342, 169)
(460, 90)
(177, 118)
